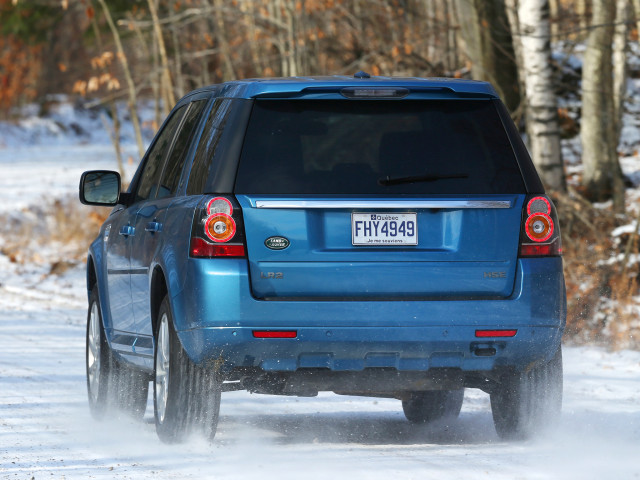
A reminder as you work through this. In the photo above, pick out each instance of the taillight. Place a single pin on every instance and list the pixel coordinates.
(540, 236)
(217, 229)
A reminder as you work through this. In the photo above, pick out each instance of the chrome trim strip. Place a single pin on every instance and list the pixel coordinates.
(404, 204)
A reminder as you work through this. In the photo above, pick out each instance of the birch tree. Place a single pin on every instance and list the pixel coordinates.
(621, 31)
(542, 112)
(602, 177)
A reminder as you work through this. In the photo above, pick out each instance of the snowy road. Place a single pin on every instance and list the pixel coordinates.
(46, 430)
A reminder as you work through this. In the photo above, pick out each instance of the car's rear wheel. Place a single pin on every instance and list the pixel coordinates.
(111, 384)
(528, 402)
(426, 407)
(186, 395)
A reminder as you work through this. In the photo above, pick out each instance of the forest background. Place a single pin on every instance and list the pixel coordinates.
(566, 70)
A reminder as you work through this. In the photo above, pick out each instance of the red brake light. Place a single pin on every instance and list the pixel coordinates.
(540, 250)
(495, 333)
(201, 248)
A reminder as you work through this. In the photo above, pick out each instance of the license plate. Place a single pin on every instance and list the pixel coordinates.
(384, 229)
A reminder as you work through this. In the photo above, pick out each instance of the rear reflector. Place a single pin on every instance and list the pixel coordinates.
(272, 334)
(495, 333)
(201, 248)
(540, 250)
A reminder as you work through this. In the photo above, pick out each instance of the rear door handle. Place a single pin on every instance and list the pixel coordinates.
(153, 227)
(127, 230)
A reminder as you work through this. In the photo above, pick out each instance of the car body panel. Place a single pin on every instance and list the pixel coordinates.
(150, 230)
(118, 267)
(216, 302)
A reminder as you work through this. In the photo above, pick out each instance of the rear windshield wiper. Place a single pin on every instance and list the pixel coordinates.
(388, 181)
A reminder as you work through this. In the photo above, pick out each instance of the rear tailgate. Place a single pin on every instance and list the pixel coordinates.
(439, 178)
(464, 247)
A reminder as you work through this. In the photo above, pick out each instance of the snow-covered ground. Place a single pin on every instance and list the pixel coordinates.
(36, 175)
(46, 430)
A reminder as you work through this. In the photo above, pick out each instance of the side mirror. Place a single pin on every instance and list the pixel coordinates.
(100, 187)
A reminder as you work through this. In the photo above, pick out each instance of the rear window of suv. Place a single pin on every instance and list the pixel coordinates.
(383, 147)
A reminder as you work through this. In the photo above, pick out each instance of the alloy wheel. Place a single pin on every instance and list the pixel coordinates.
(162, 368)
(93, 353)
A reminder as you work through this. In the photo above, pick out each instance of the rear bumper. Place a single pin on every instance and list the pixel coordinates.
(216, 315)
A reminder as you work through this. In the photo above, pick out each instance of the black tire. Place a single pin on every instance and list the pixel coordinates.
(528, 402)
(186, 396)
(426, 407)
(113, 387)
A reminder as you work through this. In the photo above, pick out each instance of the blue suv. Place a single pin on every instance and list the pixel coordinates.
(374, 236)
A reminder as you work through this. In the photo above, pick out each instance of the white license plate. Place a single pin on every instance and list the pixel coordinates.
(384, 229)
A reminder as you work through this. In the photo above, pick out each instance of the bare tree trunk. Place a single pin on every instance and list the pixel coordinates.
(248, 8)
(114, 133)
(542, 118)
(302, 48)
(206, 79)
(455, 26)
(156, 85)
(636, 10)
(602, 176)
(485, 29)
(291, 52)
(169, 96)
(430, 13)
(511, 7)
(620, 63)
(127, 75)
(583, 15)
(180, 90)
(153, 78)
(554, 9)
(203, 28)
(451, 53)
(275, 12)
(221, 37)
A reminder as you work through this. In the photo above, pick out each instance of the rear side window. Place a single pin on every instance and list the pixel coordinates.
(155, 158)
(206, 158)
(377, 147)
(175, 162)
